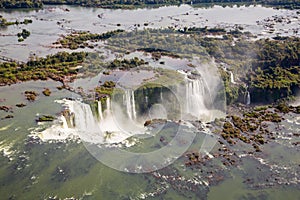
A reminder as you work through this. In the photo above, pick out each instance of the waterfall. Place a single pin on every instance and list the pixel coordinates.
(195, 94)
(232, 78)
(161, 95)
(130, 104)
(100, 110)
(79, 120)
(133, 105)
(248, 98)
(107, 104)
(67, 119)
(84, 118)
(72, 120)
(64, 122)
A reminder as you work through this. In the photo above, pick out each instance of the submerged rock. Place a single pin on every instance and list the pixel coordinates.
(8, 117)
(6, 108)
(20, 105)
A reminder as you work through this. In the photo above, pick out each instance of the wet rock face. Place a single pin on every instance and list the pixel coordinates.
(151, 94)
(70, 118)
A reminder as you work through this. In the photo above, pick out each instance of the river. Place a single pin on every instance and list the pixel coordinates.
(64, 169)
(53, 21)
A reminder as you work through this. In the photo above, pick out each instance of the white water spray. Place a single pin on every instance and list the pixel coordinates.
(100, 110)
(195, 95)
(64, 122)
(232, 78)
(248, 98)
(161, 95)
(130, 104)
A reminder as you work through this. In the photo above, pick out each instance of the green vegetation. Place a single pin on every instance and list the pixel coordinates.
(31, 95)
(251, 127)
(9, 4)
(109, 84)
(231, 91)
(276, 72)
(56, 67)
(106, 89)
(164, 41)
(4, 22)
(158, 53)
(287, 4)
(126, 64)
(269, 67)
(203, 31)
(47, 92)
(79, 39)
(46, 118)
(23, 35)
(229, 132)
(26, 21)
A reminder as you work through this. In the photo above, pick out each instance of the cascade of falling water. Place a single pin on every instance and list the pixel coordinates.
(161, 95)
(195, 92)
(130, 104)
(146, 96)
(100, 110)
(84, 118)
(133, 105)
(64, 122)
(108, 104)
(72, 120)
(87, 125)
(248, 98)
(232, 77)
(89, 128)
